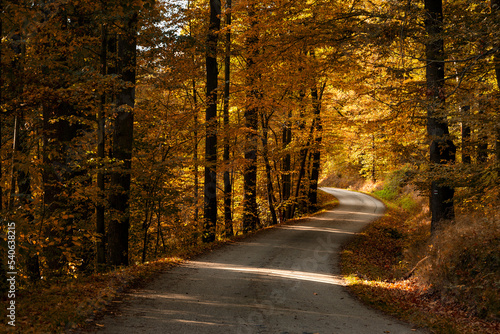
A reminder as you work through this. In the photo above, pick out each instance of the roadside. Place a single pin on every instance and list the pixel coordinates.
(383, 264)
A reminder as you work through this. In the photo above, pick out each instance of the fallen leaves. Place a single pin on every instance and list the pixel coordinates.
(373, 267)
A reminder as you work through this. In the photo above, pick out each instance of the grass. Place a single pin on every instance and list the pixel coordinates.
(379, 265)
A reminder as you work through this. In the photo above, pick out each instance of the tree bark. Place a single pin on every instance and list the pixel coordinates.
(210, 186)
(286, 169)
(316, 154)
(442, 149)
(118, 229)
(196, 181)
(228, 220)
(250, 213)
(304, 152)
(100, 209)
(466, 135)
(265, 154)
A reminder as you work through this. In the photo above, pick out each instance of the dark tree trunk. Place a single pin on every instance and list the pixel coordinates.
(482, 142)
(316, 154)
(442, 149)
(57, 177)
(118, 229)
(250, 213)
(286, 169)
(466, 135)
(196, 185)
(265, 154)
(100, 208)
(304, 153)
(210, 187)
(228, 219)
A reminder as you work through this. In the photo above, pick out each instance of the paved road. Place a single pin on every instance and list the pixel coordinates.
(285, 280)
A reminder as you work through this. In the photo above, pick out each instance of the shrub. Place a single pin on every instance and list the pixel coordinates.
(463, 265)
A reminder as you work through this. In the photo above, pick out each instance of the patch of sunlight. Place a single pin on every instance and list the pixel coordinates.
(271, 272)
(197, 322)
(315, 229)
(374, 215)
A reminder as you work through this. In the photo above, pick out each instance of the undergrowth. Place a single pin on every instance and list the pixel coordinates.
(447, 283)
(463, 265)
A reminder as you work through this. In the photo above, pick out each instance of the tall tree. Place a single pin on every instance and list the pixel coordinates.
(442, 149)
(210, 186)
(250, 213)
(286, 168)
(228, 220)
(118, 229)
(101, 121)
(265, 155)
(316, 151)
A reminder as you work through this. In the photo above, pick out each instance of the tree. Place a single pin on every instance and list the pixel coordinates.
(228, 189)
(250, 211)
(210, 186)
(118, 229)
(101, 154)
(442, 149)
(316, 154)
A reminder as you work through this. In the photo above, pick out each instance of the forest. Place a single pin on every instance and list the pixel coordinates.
(131, 129)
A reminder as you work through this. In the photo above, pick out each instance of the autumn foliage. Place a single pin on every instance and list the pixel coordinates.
(134, 129)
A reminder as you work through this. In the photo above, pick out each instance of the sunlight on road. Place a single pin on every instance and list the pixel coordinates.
(290, 274)
(315, 229)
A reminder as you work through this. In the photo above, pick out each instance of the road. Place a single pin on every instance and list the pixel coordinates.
(284, 280)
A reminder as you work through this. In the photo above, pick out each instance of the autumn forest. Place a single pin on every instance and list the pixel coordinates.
(130, 129)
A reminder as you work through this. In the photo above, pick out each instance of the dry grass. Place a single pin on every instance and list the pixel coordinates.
(463, 265)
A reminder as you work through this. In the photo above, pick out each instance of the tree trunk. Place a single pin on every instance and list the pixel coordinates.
(482, 142)
(442, 149)
(100, 210)
(250, 213)
(265, 154)
(228, 220)
(316, 154)
(286, 169)
(466, 135)
(196, 185)
(304, 152)
(118, 229)
(210, 187)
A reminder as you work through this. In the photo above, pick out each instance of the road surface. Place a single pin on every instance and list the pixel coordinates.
(284, 280)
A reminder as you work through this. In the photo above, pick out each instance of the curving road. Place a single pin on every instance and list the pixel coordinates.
(285, 280)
